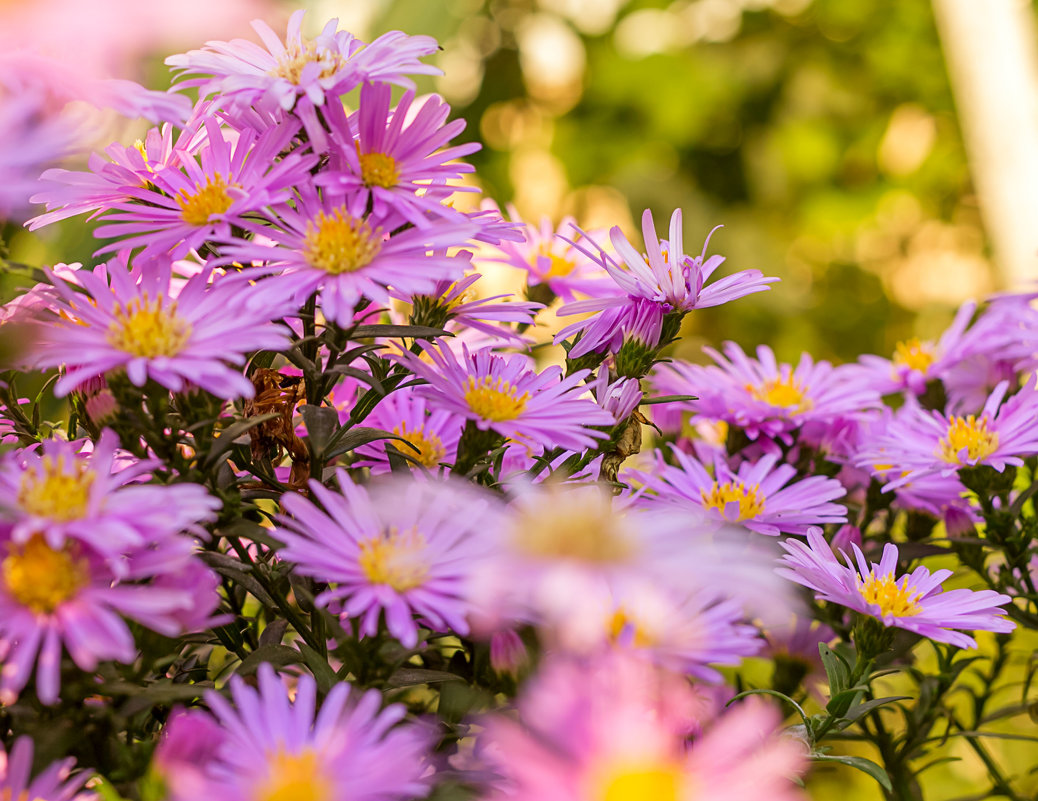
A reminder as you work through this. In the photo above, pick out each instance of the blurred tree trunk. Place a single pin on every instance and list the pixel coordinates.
(989, 47)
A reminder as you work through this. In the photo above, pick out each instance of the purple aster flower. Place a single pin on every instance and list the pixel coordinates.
(918, 441)
(317, 245)
(503, 394)
(132, 323)
(914, 601)
(758, 494)
(620, 398)
(394, 155)
(404, 549)
(433, 433)
(550, 261)
(67, 193)
(209, 190)
(69, 596)
(456, 304)
(276, 748)
(762, 396)
(664, 276)
(54, 783)
(59, 492)
(916, 362)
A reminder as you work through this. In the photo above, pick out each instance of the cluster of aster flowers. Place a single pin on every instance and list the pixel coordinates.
(322, 508)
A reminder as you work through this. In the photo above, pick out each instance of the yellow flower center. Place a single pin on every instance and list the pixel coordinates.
(340, 243)
(561, 266)
(574, 526)
(291, 65)
(621, 624)
(145, 328)
(658, 781)
(295, 777)
(495, 400)
(378, 169)
(57, 489)
(394, 559)
(207, 200)
(970, 434)
(892, 598)
(41, 578)
(430, 447)
(750, 503)
(782, 392)
(914, 355)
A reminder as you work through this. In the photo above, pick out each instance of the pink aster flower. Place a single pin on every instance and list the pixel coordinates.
(57, 492)
(762, 396)
(919, 441)
(403, 548)
(276, 748)
(758, 494)
(456, 305)
(619, 728)
(395, 154)
(69, 596)
(198, 200)
(552, 263)
(132, 323)
(913, 601)
(916, 362)
(503, 394)
(664, 276)
(54, 783)
(317, 245)
(433, 433)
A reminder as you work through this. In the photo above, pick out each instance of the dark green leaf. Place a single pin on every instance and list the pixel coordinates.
(276, 655)
(412, 331)
(668, 399)
(777, 694)
(319, 666)
(836, 669)
(862, 764)
(321, 424)
(407, 677)
(223, 443)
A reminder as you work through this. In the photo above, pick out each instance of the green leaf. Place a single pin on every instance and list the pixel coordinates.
(862, 764)
(861, 710)
(408, 677)
(276, 655)
(228, 435)
(348, 440)
(319, 666)
(843, 701)
(322, 422)
(412, 331)
(668, 399)
(836, 669)
(777, 694)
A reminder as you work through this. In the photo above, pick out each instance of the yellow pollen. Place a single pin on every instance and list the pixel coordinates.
(893, 598)
(621, 623)
(658, 781)
(394, 559)
(291, 65)
(295, 777)
(340, 243)
(57, 490)
(495, 400)
(750, 503)
(378, 169)
(145, 328)
(914, 355)
(207, 200)
(782, 392)
(430, 447)
(561, 266)
(41, 578)
(970, 434)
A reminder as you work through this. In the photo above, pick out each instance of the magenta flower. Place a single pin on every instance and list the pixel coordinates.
(403, 548)
(503, 394)
(913, 601)
(275, 748)
(434, 434)
(762, 396)
(758, 494)
(619, 729)
(664, 276)
(393, 157)
(132, 323)
(54, 783)
(919, 441)
(552, 262)
(213, 185)
(317, 245)
(59, 493)
(69, 596)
